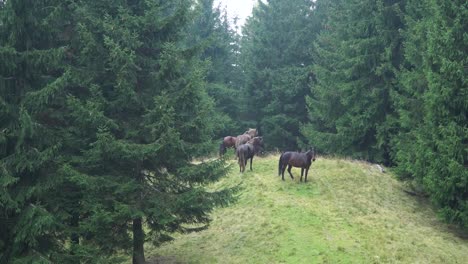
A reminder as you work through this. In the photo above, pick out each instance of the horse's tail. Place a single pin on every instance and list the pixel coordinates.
(222, 149)
(279, 164)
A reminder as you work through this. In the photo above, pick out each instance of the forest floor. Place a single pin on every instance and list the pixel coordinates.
(348, 212)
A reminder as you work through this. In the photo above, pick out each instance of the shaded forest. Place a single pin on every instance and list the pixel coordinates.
(105, 104)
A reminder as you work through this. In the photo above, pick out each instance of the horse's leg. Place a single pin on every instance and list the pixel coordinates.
(221, 149)
(239, 160)
(307, 172)
(251, 163)
(302, 173)
(280, 166)
(289, 170)
(244, 161)
(245, 165)
(283, 168)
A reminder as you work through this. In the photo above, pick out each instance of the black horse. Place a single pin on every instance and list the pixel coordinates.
(296, 159)
(247, 151)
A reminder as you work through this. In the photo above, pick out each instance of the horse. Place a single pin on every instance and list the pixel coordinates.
(247, 151)
(248, 135)
(296, 159)
(252, 132)
(242, 139)
(228, 142)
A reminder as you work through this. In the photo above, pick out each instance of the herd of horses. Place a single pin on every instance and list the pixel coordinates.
(250, 144)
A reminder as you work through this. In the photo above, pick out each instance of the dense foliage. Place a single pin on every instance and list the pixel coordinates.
(432, 100)
(218, 40)
(103, 108)
(391, 87)
(276, 57)
(387, 83)
(358, 53)
(104, 104)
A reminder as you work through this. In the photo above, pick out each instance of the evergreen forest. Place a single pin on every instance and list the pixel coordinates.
(105, 105)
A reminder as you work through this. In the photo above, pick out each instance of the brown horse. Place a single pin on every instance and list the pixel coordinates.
(228, 142)
(248, 151)
(252, 132)
(249, 134)
(242, 139)
(296, 159)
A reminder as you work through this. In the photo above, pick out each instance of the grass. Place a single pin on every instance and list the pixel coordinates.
(348, 212)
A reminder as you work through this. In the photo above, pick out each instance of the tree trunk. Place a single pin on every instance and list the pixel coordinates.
(138, 241)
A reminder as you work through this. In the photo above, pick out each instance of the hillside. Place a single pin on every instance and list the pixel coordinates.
(348, 212)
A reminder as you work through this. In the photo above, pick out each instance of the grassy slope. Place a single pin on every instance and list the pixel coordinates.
(348, 212)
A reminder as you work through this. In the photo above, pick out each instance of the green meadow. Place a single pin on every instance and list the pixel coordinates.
(348, 212)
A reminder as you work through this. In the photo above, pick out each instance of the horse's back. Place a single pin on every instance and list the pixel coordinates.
(295, 159)
(247, 150)
(285, 156)
(242, 139)
(240, 149)
(229, 141)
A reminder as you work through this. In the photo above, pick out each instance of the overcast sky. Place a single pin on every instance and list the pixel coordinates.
(240, 8)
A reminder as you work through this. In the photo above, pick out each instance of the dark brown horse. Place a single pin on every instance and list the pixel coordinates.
(247, 151)
(296, 159)
(228, 142)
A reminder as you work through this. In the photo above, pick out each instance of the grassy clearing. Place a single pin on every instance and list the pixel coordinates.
(348, 212)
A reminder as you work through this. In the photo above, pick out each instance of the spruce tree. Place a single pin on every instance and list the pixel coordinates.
(276, 58)
(152, 92)
(33, 222)
(432, 143)
(358, 54)
(216, 37)
(412, 84)
(165, 125)
(103, 109)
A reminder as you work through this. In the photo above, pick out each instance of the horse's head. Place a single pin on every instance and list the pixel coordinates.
(257, 142)
(311, 154)
(254, 141)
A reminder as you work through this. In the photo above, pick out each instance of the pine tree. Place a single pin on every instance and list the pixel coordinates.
(412, 84)
(32, 74)
(103, 109)
(432, 143)
(358, 54)
(276, 58)
(154, 94)
(212, 30)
